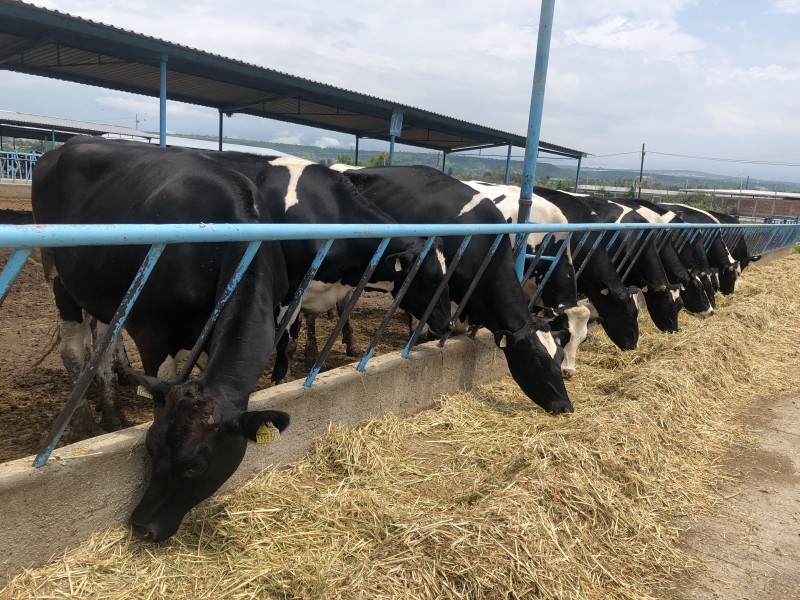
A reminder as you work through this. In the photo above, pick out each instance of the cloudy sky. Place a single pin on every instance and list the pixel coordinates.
(706, 79)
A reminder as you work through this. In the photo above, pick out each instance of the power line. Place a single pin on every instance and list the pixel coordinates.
(730, 160)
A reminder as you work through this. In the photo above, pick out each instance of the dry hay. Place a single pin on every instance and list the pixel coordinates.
(485, 497)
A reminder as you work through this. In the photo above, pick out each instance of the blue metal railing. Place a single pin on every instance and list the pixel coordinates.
(23, 238)
(17, 166)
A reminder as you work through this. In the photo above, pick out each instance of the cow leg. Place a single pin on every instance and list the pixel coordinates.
(281, 369)
(350, 344)
(311, 351)
(108, 404)
(76, 346)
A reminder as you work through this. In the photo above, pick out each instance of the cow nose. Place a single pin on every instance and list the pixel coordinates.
(147, 532)
(567, 372)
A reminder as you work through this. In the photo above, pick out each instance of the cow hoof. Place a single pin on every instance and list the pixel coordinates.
(354, 352)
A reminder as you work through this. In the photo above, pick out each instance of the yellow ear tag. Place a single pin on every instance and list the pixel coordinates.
(267, 433)
(397, 266)
(644, 289)
(604, 291)
(142, 391)
(503, 342)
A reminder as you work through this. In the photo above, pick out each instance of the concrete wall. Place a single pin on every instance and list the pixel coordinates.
(93, 485)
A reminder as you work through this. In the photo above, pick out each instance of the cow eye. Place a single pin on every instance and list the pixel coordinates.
(193, 471)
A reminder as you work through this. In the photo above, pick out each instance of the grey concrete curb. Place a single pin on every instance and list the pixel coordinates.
(93, 485)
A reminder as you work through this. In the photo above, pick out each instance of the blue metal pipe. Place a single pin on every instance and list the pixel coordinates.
(589, 254)
(638, 254)
(546, 278)
(535, 117)
(162, 137)
(56, 236)
(11, 270)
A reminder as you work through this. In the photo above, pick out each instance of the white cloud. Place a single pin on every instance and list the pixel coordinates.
(287, 137)
(327, 142)
(652, 40)
(790, 7)
(740, 76)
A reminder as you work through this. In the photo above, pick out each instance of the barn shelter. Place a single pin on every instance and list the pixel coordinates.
(48, 43)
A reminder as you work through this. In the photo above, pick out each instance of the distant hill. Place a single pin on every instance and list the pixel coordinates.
(493, 169)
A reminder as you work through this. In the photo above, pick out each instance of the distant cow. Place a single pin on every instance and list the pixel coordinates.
(599, 281)
(298, 191)
(719, 255)
(200, 428)
(425, 195)
(662, 297)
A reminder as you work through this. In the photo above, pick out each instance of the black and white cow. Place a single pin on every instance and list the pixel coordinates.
(201, 427)
(599, 281)
(662, 297)
(693, 293)
(719, 256)
(560, 292)
(298, 191)
(736, 244)
(425, 195)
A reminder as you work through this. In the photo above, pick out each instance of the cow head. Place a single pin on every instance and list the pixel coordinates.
(534, 360)
(695, 299)
(663, 303)
(728, 276)
(425, 283)
(619, 309)
(569, 327)
(195, 444)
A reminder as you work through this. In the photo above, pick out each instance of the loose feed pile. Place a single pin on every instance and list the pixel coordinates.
(486, 496)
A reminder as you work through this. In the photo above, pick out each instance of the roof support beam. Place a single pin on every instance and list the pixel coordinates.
(163, 102)
(22, 47)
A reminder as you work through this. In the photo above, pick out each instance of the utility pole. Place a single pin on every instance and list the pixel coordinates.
(641, 169)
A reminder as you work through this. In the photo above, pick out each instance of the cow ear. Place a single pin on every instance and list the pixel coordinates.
(560, 336)
(151, 387)
(399, 262)
(251, 421)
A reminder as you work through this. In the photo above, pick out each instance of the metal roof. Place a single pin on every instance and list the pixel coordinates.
(51, 44)
(37, 127)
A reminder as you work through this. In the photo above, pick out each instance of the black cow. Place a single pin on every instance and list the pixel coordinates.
(599, 281)
(560, 293)
(737, 244)
(719, 256)
(662, 297)
(298, 191)
(200, 428)
(693, 293)
(425, 195)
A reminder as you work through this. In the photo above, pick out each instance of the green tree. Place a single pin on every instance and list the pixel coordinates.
(344, 159)
(381, 159)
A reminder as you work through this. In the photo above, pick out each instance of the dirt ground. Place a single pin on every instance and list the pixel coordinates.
(32, 394)
(751, 544)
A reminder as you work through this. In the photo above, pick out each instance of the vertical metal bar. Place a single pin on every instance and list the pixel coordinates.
(623, 245)
(301, 290)
(12, 269)
(391, 150)
(105, 343)
(535, 118)
(373, 263)
(546, 278)
(190, 361)
(578, 174)
(612, 240)
(220, 131)
(163, 102)
(356, 159)
(589, 255)
(444, 158)
(579, 247)
(537, 257)
(451, 268)
(629, 252)
(635, 258)
(473, 284)
(395, 304)
(508, 164)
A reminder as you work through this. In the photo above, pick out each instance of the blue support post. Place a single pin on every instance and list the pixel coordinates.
(11, 270)
(535, 119)
(395, 130)
(508, 164)
(162, 137)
